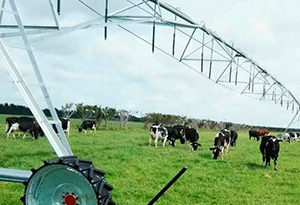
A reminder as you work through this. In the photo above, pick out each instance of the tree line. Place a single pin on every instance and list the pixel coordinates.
(103, 114)
(80, 111)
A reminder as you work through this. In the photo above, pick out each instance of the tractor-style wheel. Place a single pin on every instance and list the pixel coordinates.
(67, 181)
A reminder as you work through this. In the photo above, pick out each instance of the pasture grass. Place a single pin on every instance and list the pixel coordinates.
(137, 171)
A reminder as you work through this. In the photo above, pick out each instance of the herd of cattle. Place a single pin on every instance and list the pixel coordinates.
(269, 146)
(29, 125)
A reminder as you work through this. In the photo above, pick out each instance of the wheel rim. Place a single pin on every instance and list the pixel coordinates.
(59, 185)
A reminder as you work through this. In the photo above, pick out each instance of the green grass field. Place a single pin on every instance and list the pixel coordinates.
(137, 171)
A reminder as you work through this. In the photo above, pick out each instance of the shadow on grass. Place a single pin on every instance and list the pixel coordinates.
(38, 153)
(293, 170)
(254, 166)
(206, 155)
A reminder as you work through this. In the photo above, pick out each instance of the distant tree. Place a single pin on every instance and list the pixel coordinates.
(123, 117)
(108, 114)
(164, 119)
(91, 112)
(68, 110)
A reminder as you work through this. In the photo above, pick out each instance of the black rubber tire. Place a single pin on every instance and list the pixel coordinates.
(94, 176)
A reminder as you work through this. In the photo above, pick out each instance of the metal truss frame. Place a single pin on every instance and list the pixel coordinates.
(204, 52)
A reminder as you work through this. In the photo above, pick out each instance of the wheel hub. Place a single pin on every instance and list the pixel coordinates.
(70, 199)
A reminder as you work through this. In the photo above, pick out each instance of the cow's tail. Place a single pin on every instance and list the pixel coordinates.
(6, 127)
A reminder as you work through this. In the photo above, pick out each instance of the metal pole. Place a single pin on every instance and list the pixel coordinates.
(237, 71)
(2, 11)
(58, 7)
(153, 37)
(187, 45)
(106, 19)
(174, 38)
(33, 105)
(202, 52)
(54, 13)
(13, 175)
(211, 55)
(291, 122)
(45, 93)
(165, 188)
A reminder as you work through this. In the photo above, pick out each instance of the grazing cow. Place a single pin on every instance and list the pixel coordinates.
(254, 134)
(32, 128)
(221, 144)
(158, 132)
(65, 123)
(269, 148)
(257, 134)
(192, 136)
(234, 136)
(88, 124)
(289, 137)
(174, 133)
(11, 120)
(293, 136)
(263, 132)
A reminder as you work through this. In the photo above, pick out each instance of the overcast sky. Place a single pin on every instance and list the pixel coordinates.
(122, 72)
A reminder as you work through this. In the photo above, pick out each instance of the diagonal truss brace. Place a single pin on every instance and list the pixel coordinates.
(58, 141)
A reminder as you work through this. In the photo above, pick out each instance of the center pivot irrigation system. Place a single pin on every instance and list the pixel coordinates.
(69, 180)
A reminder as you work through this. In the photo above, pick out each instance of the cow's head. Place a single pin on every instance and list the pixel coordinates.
(79, 129)
(215, 152)
(195, 145)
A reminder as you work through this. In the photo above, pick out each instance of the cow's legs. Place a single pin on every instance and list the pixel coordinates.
(164, 141)
(150, 140)
(155, 141)
(9, 132)
(275, 163)
(263, 158)
(24, 136)
(226, 149)
(268, 160)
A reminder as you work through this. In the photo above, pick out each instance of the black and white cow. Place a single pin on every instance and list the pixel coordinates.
(158, 132)
(88, 124)
(65, 123)
(174, 133)
(233, 136)
(221, 144)
(289, 137)
(269, 148)
(26, 126)
(192, 136)
(293, 136)
(11, 120)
